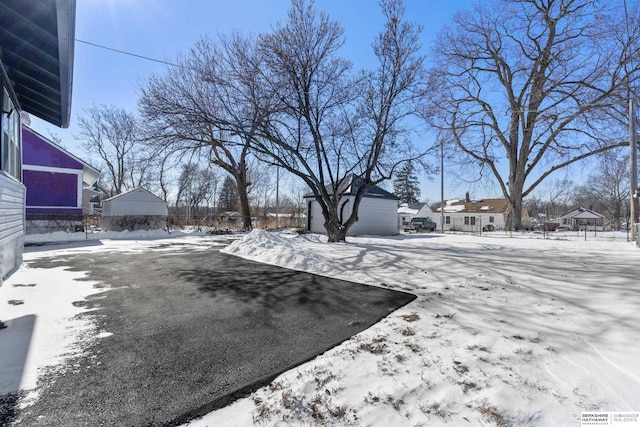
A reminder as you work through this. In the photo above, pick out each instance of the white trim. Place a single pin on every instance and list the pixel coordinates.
(54, 207)
(79, 192)
(37, 168)
(57, 147)
(76, 172)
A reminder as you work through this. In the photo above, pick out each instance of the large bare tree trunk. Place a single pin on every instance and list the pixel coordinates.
(336, 232)
(245, 209)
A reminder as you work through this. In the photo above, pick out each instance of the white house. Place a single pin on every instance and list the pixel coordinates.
(137, 209)
(377, 213)
(474, 215)
(580, 218)
(406, 211)
(36, 72)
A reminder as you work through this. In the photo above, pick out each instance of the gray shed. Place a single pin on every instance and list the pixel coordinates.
(137, 209)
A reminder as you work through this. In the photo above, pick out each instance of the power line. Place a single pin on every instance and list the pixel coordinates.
(131, 54)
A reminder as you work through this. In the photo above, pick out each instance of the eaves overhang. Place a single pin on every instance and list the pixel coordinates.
(37, 51)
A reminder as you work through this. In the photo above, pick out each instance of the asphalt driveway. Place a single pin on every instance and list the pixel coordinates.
(194, 330)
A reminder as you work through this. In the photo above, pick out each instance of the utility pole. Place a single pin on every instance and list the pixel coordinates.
(633, 170)
(633, 149)
(277, 197)
(442, 185)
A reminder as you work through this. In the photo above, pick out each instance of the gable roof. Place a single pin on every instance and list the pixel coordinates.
(485, 206)
(37, 40)
(136, 193)
(351, 183)
(582, 213)
(410, 208)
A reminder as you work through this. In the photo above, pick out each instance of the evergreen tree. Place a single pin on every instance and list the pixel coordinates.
(228, 199)
(406, 185)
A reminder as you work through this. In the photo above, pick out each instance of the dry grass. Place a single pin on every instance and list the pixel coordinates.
(460, 368)
(446, 316)
(468, 385)
(407, 332)
(411, 317)
(377, 346)
(435, 409)
(478, 347)
(490, 413)
(413, 347)
(400, 358)
(289, 401)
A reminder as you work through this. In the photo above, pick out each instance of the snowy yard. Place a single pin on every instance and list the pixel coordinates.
(505, 331)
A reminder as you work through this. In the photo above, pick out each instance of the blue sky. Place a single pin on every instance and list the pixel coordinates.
(161, 28)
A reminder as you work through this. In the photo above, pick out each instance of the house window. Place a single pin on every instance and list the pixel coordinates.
(473, 220)
(447, 220)
(466, 220)
(10, 153)
(492, 219)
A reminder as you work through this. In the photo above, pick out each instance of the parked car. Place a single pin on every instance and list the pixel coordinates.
(420, 224)
(563, 228)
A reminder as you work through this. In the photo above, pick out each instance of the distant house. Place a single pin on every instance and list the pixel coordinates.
(474, 215)
(377, 213)
(36, 71)
(137, 209)
(406, 211)
(229, 220)
(285, 219)
(58, 184)
(580, 218)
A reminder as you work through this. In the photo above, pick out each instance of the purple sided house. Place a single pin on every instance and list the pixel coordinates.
(55, 181)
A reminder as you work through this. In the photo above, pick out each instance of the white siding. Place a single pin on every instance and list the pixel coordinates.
(457, 221)
(135, 202)
(12, 197)
(315, 217)
(425, 212)
(375, 216)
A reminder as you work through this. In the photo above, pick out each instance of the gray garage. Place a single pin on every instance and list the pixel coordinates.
(138, 209)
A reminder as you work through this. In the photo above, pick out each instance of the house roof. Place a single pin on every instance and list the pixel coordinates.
(582, 213)
(485, 206)
(132, 193)
(351, 183)
(410, 208)
(37, 41)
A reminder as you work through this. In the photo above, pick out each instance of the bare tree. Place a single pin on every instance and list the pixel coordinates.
(190, 107)
(607, 188)
(527, 87)
(336, 130)
(164, 167)
(196, 185)
(112, 134)
(263, 186)
(551, 200)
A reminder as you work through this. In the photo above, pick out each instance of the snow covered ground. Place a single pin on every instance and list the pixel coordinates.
(506, 330)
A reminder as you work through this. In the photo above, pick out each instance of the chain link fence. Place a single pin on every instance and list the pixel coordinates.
(49, 223)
